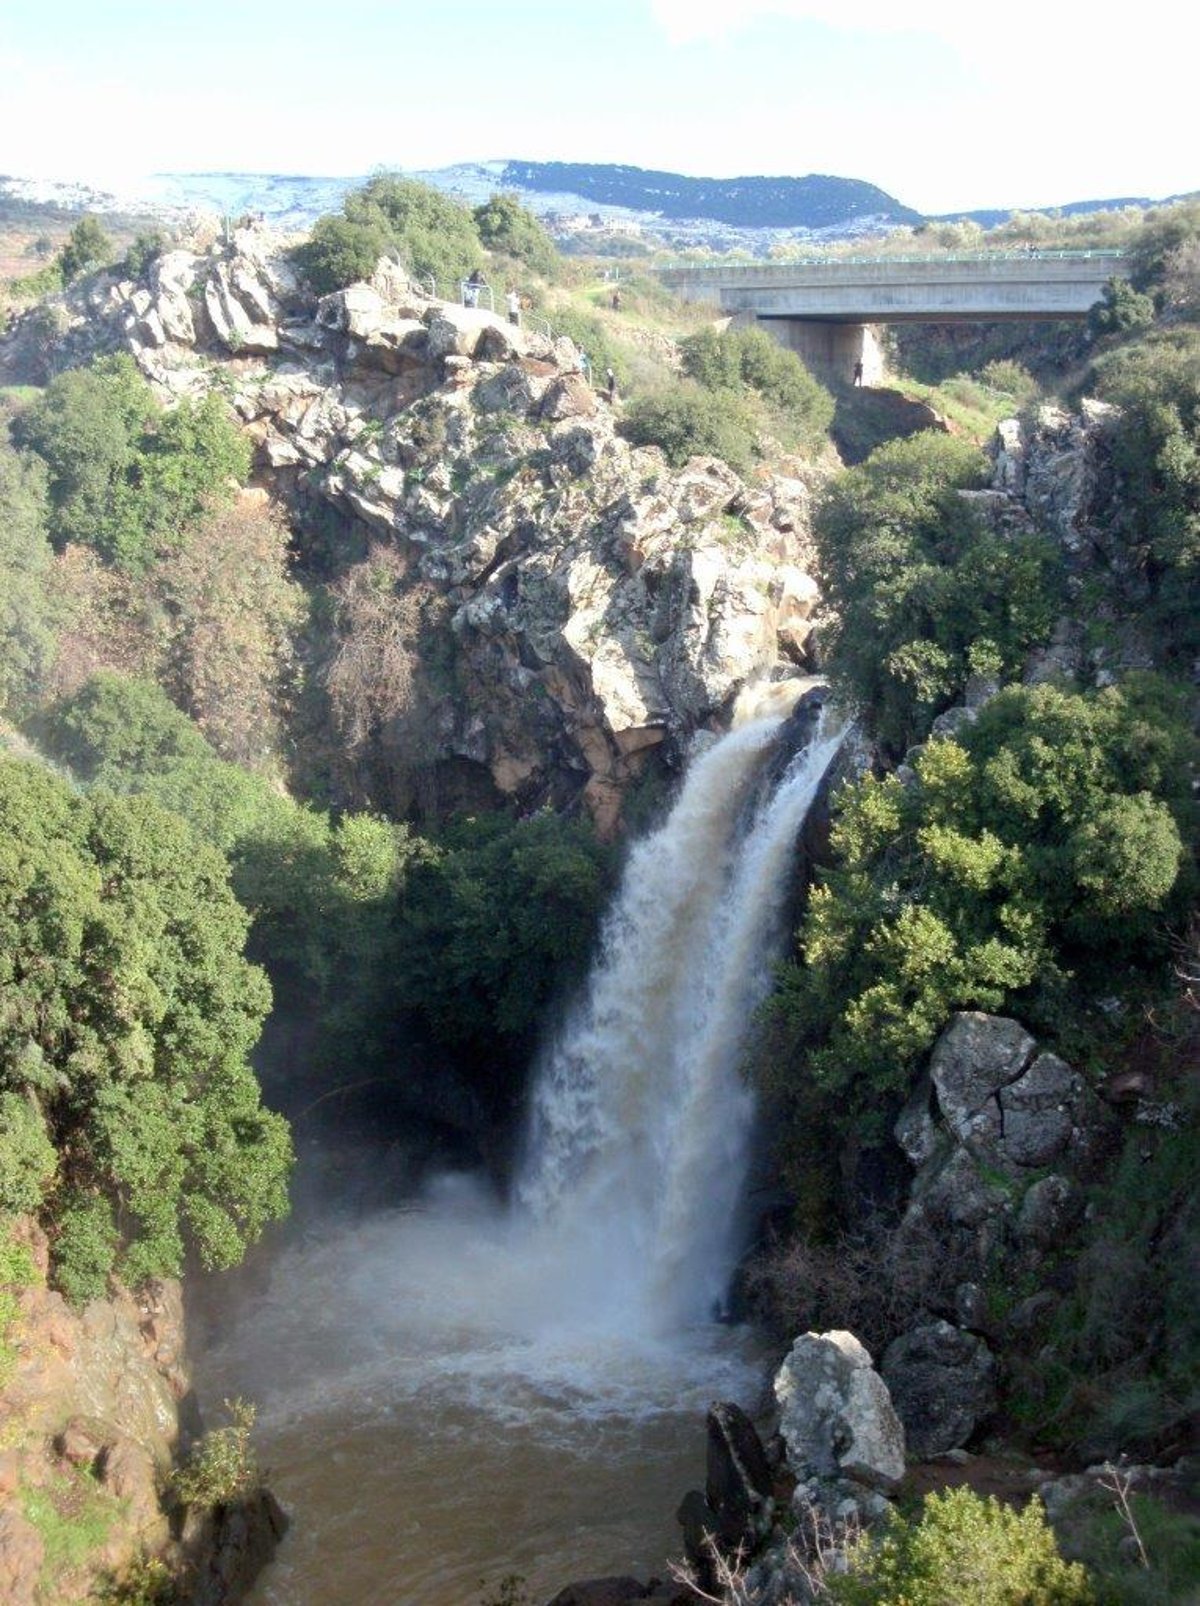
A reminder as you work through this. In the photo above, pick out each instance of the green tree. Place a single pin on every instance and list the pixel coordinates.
(341, 251)
(28, 614)
(129, 1015)
(87, 247)
(493, 924)
(126, 477)
(687, 420)
(434, 234)
(924, 591)
(507, 227)
(1155, 513)
(749, 359)
(146, 246)
(1163, 231)
(1121, 309)
(86, 426)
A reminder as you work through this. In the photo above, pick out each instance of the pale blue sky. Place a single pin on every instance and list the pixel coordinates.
(945, 105)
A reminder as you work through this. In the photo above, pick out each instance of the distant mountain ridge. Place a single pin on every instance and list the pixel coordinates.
(817, 201)
(674, 210)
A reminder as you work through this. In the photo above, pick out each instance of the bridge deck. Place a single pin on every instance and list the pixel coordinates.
(1008, 284)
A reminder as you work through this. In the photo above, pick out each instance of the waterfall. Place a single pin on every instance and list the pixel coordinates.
(641, 1120)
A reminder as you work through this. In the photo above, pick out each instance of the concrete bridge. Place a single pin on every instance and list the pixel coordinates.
(827, 309)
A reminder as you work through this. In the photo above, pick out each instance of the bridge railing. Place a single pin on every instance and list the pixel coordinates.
(849, 261)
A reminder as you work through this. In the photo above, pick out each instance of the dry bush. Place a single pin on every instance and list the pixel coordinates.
(234, 610)
(372, 677)
(875, 1282)
(108, 622)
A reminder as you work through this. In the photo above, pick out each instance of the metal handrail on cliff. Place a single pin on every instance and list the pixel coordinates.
(427, 285)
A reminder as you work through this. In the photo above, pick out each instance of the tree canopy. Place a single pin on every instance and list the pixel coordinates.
(127, 1014)
(127, 477)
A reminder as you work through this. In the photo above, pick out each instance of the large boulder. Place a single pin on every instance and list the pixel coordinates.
(942, 1383)
(835, 1414)
(973, 1059)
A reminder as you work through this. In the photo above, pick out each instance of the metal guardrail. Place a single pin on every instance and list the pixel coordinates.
(936, 257)
(427, 285)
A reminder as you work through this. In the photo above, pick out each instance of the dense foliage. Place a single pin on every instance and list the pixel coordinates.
(495, 922)
(925, 592)
(739, 360)
(1027, 865)
(129, 1108)
(431, 234)
(510, 229)
(28, 610)
(126, 477)
(963, 1548)
(742, 396)
(686, 420)
(1156, 512)
(469, 936)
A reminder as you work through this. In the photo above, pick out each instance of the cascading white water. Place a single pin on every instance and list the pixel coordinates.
(457, 1389)
(641, 1119)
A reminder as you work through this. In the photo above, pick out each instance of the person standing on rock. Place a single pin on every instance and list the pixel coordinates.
(513, 302)
(610, 384)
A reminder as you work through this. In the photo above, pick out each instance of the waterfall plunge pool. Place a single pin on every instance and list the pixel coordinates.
(431, 1426)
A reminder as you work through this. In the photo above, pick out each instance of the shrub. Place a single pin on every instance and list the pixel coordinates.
(434, 234)
(495, 923)
(1121, 309)
(87, 247)
(28, 612)
(686, 420)
(963, 1549)
(341, 251)
(146, 246)
(222, 1467)
(924, 591)
(125, 477)
(507, 227)
(1155, 513)
(737, 359)
(27, 1158)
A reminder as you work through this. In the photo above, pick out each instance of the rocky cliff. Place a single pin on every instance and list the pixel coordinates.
(526, 604)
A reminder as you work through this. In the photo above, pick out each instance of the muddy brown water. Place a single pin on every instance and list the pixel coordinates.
(433, 1419)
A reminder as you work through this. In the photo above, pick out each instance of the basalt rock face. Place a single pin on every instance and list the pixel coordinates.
(1001, 1135)
(566, 602)
(1055, 473)
(95, 1409)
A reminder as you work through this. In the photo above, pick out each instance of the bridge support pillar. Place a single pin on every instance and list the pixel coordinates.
(832, 350)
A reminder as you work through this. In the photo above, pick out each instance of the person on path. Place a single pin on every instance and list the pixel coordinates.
(472, 287)
(858, 372)
(610, 384)
(616, 300)
(513, 302)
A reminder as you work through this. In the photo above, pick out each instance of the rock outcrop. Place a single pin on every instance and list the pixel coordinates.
(96, 1408)
(942, 1381)
(999, 1133)
(844, 1441)
(589, 603)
